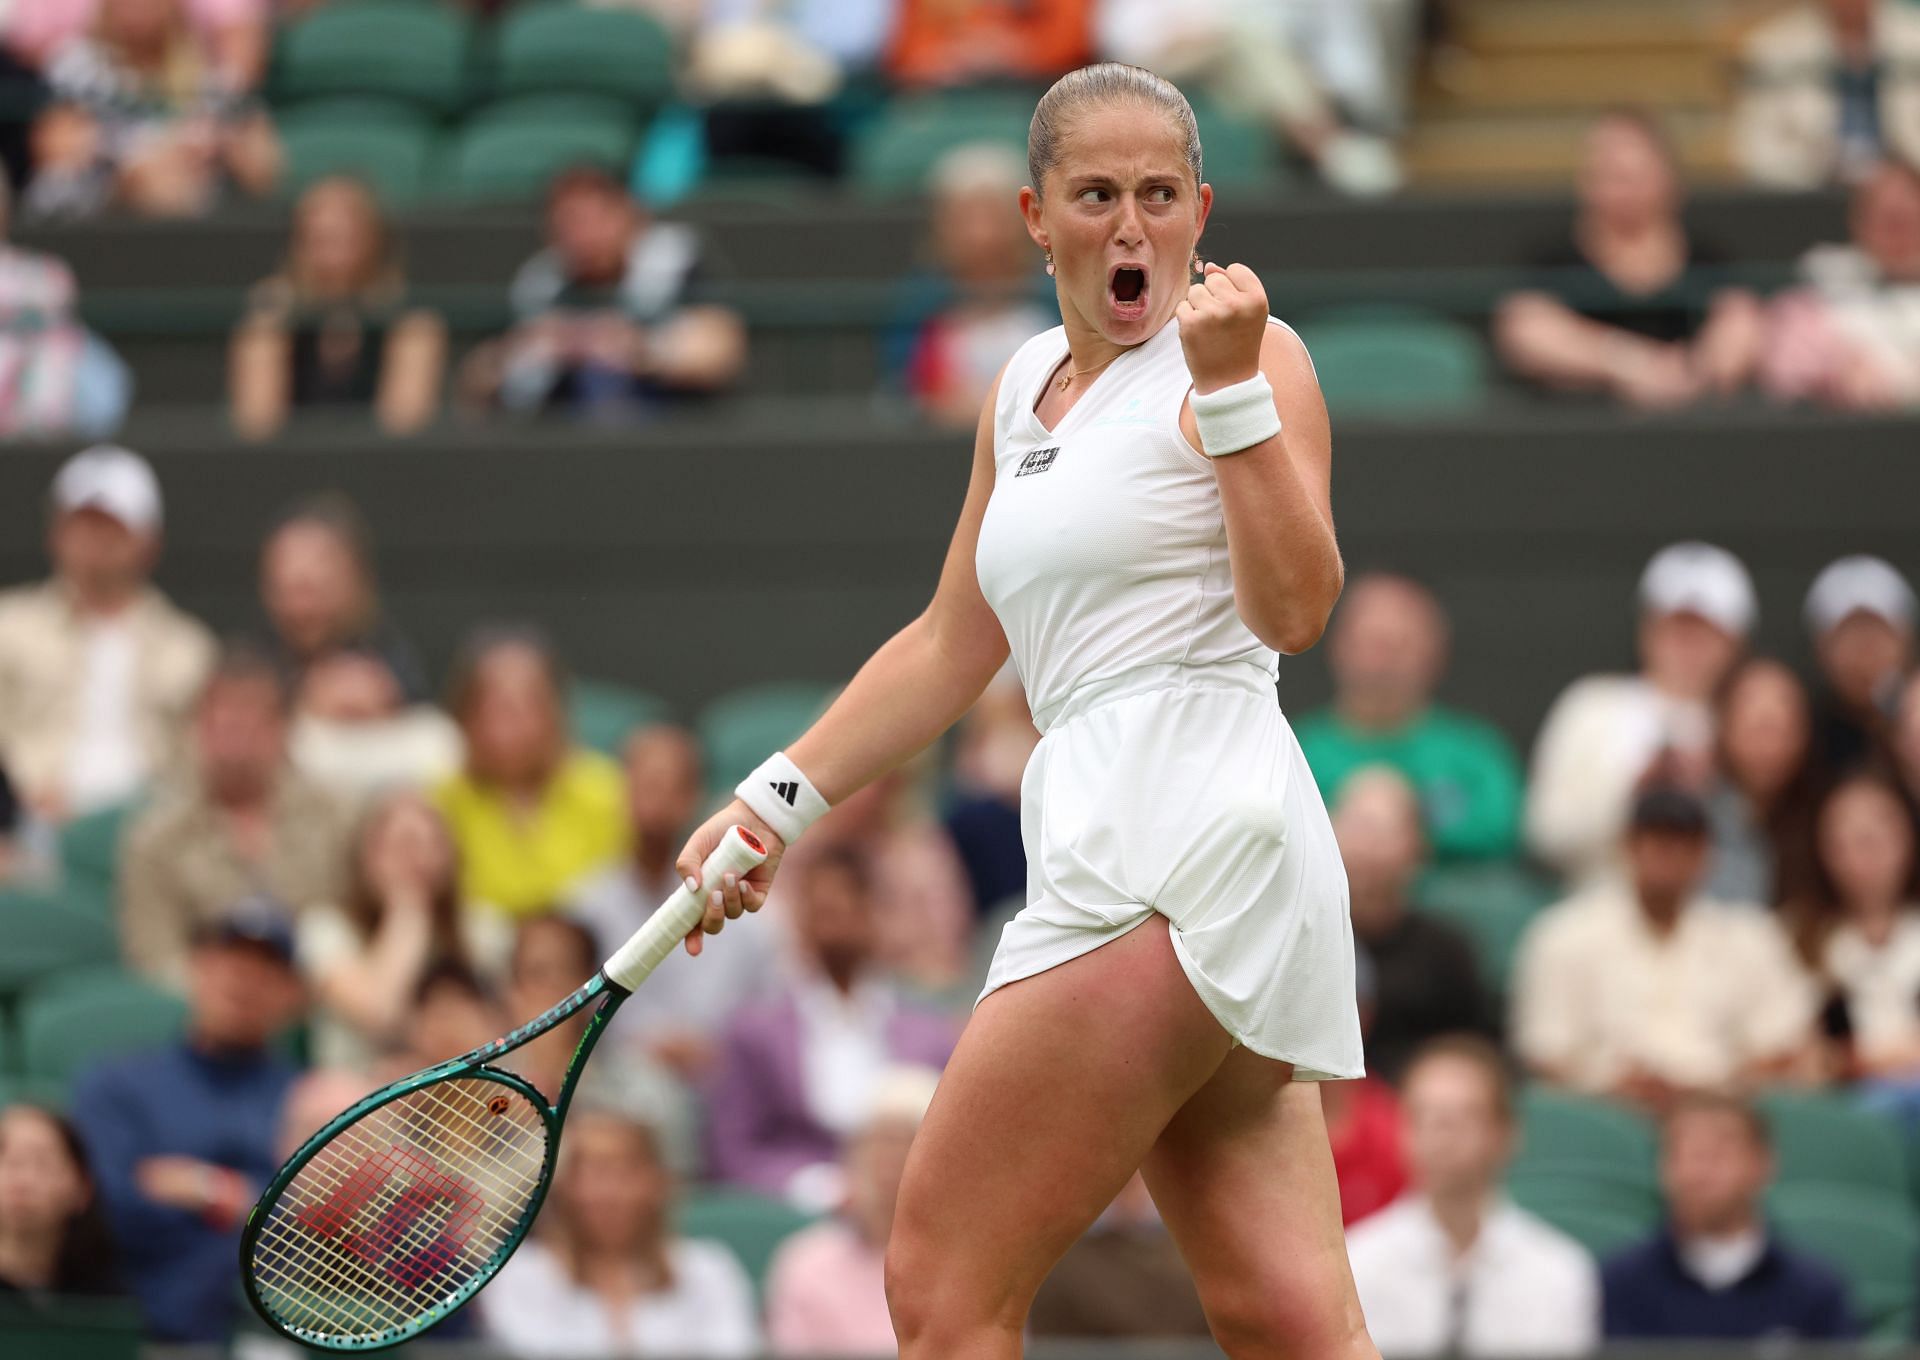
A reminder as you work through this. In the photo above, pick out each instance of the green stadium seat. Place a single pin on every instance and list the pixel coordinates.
(1870, 1237)
(1492, 903)
(741, 729)
(573, 49)
(49, 931)
(386, 145)
(399, 49)
(1602, 1231)
(1396, 361)
(56, 1328)
(90, 848)
(71, 1023)
(1615, 1190)
(749, 1225)
(511, 149)
(1823, 1139)
(1577, 1137)
(893, 154)
(16, 1090)
(603, 714)
(1235, 153)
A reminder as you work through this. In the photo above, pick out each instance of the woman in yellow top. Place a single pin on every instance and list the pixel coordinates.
(532, 814)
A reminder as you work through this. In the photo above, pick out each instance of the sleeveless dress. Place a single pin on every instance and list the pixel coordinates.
(1166, 779)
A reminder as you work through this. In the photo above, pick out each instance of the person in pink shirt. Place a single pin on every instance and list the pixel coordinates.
(826, 1290)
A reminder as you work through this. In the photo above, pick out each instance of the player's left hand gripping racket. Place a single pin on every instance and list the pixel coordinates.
(396, 1213)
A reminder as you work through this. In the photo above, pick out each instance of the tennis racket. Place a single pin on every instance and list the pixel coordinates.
(401, 1208)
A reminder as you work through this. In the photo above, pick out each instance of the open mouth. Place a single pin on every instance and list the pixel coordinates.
(1128, 285)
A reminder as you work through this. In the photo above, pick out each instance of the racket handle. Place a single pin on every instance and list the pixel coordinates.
(738, 853)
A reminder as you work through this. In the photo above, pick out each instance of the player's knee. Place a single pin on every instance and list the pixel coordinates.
(935, 1312)
(1254, 1323)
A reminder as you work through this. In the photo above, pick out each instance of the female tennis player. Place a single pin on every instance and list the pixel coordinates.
(1148, 524)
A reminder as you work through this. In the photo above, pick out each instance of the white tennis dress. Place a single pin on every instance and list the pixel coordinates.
(1166, 779)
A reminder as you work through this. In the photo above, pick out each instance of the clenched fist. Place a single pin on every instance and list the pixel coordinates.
(1222, 322)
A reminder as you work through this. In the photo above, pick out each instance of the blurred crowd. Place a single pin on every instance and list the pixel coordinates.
(347, 869)
(157, 107)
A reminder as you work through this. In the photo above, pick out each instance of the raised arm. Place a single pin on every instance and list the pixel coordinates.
(910, 691)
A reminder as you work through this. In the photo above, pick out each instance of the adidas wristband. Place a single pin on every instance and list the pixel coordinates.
(782, 797)
(1236, 417)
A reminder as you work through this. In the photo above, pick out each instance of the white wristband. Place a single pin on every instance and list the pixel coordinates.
(782, 797)
(1237, 417)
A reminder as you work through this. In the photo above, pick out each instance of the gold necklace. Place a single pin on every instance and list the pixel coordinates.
(1067, 378)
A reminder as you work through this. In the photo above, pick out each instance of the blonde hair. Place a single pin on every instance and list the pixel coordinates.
(1096, 86)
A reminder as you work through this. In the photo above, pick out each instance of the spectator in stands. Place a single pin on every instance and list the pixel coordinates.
(994, 741)
(362, 719)
(333, 329)
(1697, 609)
(1715, 1271)
(971, 42)
(1850, 338)
(1627, 307)
(232, 34)
(97, 668)
(1315, 71)
(1363, 1121)
(609, 1277)
(1428, 982)
(1644, 990)
(826, 1288)
(1862, 932)
(983, 296)
(452, 1013)
(1760, 796)
(58, 377)
(183, 1138)
(1829, 89)
(366, 957)
(1123, 1279)
(797, 1072)
(677, 1018)
(53, 1233)
(610, 319)
(1456, 1268)
(143, 117)
(246, 823)
(1387, 652)
(533, 815)
(1861, 612)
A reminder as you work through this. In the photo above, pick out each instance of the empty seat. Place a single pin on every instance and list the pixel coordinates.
(1869, 1237)
(1396, 361)
(1235, 153)
(512, 149)
(1578, 1137)
(90, 848)
(741, 729)
(893, 154)
(1492, 904)
(572, 49)
(1825, 1139)
(603, 714)
(386, 145)
(409, 51)
(71, 1023)
(751, 1226)
(43, 933)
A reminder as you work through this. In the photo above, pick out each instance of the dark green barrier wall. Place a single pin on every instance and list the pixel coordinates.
(790, 541)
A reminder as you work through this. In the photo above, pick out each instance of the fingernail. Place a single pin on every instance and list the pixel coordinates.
(693, 884)
(714, 899)
(732, 879)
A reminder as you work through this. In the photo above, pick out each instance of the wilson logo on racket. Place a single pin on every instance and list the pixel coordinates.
(421, 1229)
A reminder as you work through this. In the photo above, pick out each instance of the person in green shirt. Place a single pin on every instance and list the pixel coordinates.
(1387, 651)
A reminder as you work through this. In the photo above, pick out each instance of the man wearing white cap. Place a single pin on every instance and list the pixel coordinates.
(1697, 609)
(1860, 611)
(97, 668)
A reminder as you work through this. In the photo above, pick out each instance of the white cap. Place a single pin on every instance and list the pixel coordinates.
(111, 479)
(1852, 584)
(1698, 578)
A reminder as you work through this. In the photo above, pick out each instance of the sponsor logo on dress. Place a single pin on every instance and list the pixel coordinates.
(1038, 460)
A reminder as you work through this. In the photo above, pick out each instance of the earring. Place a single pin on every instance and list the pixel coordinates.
(1199, 269)
(1049, 261)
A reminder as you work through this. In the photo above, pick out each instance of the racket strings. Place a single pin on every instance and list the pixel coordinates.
(401, 1210)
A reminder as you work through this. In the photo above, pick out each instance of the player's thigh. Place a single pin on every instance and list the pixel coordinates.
(1058, 1088)
(1243, 1177)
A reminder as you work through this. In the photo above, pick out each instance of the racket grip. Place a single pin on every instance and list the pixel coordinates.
(738, 853)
